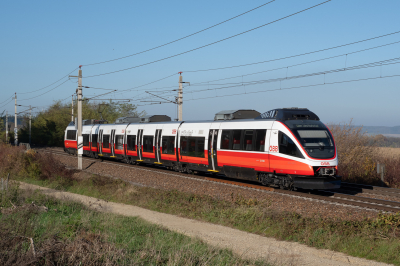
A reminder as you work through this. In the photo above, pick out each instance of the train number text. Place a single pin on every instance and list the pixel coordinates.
(273, 148)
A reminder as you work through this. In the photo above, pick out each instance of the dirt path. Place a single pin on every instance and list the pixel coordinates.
(245, 244)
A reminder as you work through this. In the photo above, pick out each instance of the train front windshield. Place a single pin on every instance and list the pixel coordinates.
(314, 137)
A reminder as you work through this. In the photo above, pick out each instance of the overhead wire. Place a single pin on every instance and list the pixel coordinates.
(48, 85)
(257, 82)
(293, 56)
(187, 36)
(287, 88)
(45, 92)
(206, 83)
(249, 83)
(6, 103)
(203, 46)
(7, 99)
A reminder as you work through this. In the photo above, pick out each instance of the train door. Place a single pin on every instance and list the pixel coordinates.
(158, 145)
(125, 144)
(100, 141)
(139, 143)
(273, 142)
(273, 150)
(212, 150)
(112, 142)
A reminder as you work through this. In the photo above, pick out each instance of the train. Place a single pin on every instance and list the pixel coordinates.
(289, 148)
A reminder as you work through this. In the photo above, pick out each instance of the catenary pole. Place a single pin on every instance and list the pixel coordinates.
(7, 127)
(30, 123)
(80, 139)
(180, 98)
(15, 123)
(72, 111)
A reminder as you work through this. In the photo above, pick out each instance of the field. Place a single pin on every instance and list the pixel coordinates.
(376, 238)
(388, 152)
(39, 230)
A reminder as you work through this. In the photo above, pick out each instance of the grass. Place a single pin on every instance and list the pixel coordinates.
(388, 152)
(377, 239)
(67, 233)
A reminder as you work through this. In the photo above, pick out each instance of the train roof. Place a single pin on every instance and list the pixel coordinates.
(279, 114)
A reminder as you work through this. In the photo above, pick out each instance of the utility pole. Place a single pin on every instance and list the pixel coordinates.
(30, 120)
(80, 139)
(7, 127)
(180, 97)
(16, 123)
(72, 112)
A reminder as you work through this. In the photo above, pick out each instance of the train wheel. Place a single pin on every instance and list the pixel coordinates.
(264, 179)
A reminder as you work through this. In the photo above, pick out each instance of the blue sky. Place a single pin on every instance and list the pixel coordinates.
(43, 41)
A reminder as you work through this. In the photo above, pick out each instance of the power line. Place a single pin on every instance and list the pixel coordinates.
(198, 48)
(305, 86)
(249, 83)
(45, 92)
(292, 56)
(257, 82)
(206, 83)
(6, 103)
(187, 36)
(7, 99)
(287, 88)
(48, 85)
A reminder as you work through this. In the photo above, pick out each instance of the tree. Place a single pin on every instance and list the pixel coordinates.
(48, 126)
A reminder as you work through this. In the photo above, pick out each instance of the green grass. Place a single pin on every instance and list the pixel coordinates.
(372, 239)
(377, 239)
(69, 233)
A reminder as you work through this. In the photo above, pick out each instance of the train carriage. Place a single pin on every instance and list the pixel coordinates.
(288, 147)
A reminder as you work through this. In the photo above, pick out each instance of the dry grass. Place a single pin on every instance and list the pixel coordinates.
(387, 152)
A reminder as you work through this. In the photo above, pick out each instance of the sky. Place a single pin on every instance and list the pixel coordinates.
(43, 42)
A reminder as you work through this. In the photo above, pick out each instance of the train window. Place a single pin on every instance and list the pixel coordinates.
(237, 139)
(248, 140)
(106, 141)
(192, 146)
(287, 146)
(85, 140)
(119, 142)
(226, 139)
(168, 145)
(71, 134)
(148, 144)
(260, 140)
(200, 147)
(131, 142)
(94, 140)
(184, 145)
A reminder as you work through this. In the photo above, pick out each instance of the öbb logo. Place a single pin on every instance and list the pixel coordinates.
(325, 163)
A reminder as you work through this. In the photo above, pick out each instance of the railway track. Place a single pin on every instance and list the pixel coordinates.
(332, 197)
(349, 188)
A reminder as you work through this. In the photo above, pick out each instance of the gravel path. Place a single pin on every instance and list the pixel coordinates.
(152, 177)
(242, 243)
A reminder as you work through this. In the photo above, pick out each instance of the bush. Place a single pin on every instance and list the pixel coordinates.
(358, 157)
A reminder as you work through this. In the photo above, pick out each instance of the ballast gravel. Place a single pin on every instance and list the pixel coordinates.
(170, 180)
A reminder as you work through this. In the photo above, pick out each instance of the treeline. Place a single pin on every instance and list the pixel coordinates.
(48, 126)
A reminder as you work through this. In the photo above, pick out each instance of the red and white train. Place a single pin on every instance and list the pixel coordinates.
(288, 147)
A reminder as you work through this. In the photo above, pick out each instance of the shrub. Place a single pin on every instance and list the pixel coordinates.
(358, 157)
